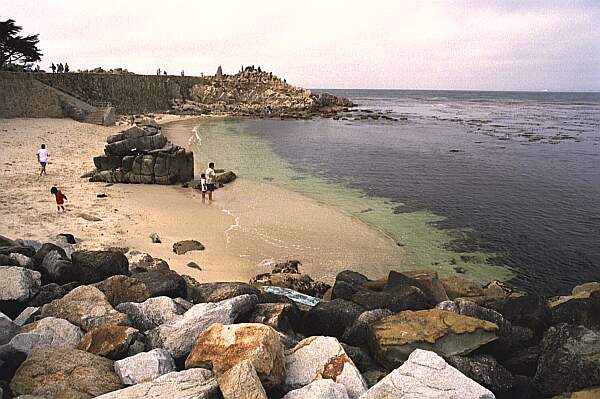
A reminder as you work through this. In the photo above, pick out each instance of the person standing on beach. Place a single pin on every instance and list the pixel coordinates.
(42, 156)
(60, 68)
(60, 199)
(53, 67)
(66, 68)
(210, 180)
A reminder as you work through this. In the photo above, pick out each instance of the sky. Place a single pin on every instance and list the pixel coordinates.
(454, 45)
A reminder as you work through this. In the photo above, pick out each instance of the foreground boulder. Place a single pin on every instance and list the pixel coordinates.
(427, 375)
(18, 284)
(393, 338)
(569, 361)
(120, 288)
(220, 291)
(221, 347)
(86, 307)
(317, 358)
(331, 317)
(163, 283)
(319, 389)
(48, 331)
(178, 335)
(111, 341)
(486, 371)
(284, 317)
(144, 367)
(241, 381)
(458, 287)
(95, 266)
(529, 311)
(8, 329)
(64, 373)
(151, 313)
(187, 384)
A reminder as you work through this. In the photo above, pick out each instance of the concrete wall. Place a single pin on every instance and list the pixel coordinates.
(129, 94)
(23, 96)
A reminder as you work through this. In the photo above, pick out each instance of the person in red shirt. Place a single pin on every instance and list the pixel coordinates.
(60, 198)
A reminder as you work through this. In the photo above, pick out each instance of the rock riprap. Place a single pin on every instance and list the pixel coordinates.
(142, 154)
(221, 347)
(86, 307)
(151, 313)
(319, 389)
(241, 382)
(427, 375)
(395, 337)
(65, 373)
(179, 335)
(111, 341)
(569, 361)
(317, 358)
(18, 284)
(48, 331)
(144, 367)
(187, 384)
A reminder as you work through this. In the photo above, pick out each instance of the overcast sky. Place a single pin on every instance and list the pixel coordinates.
(493, 45)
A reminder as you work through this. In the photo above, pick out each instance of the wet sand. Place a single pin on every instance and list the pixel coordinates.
(231, 228)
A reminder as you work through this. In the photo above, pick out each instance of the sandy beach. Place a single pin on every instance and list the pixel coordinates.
(323, 239)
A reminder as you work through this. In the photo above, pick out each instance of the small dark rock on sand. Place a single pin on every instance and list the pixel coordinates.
(185, 246)
(155, 238)
(194, 265)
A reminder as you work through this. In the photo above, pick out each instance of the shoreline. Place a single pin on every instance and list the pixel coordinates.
(132, 212)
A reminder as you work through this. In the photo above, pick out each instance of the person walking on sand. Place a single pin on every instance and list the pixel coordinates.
(203, 186)
(210, 180)
(60, 198)
(42, 156)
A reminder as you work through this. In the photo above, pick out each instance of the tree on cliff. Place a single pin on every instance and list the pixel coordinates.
(14, 48)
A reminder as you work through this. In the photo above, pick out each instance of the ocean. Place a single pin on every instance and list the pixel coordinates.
(487, 185)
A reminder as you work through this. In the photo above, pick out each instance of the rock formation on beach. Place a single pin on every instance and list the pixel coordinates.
(142, 154)
(252, 92)
(82, 324)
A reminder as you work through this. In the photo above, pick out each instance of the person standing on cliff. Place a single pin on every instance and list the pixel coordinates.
(53, 67)
(42, 156)
(66, 68)
(60, 68)
(210, 180)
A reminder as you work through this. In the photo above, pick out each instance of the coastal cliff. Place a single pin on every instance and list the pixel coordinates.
(249, 92)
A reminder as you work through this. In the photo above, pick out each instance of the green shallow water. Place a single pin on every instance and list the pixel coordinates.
(252, 157)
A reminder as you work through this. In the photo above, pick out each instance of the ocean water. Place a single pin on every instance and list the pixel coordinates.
(485, 184)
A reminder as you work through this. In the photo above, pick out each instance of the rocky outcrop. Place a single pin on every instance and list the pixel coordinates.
(144, 367)
(395, 337)
(331, 317)
(65, 373)
(18, 284)
(142, 154)
(486, 371)
(95, 266)
(215, 292)
(427, 375)
(163, 283)
(221, 347)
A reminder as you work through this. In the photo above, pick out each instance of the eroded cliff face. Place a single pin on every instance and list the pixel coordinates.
(250, 92)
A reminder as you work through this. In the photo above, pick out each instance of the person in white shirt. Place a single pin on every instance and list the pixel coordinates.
(210, 180)
(42, 156)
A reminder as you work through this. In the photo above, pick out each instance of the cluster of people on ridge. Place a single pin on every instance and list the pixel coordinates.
(60, 68)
